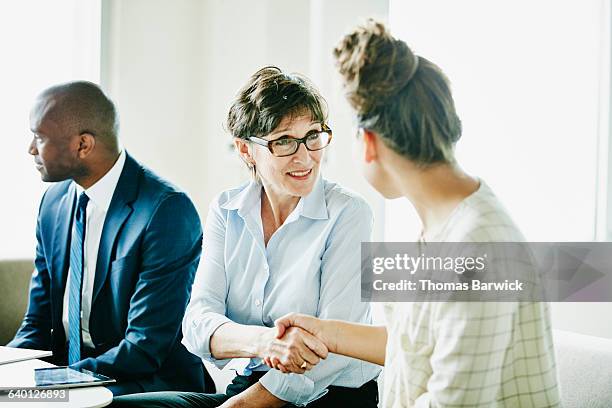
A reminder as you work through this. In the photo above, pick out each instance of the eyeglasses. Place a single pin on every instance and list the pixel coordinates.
(286, 146)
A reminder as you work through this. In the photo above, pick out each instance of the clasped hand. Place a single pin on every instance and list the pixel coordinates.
(297, 346)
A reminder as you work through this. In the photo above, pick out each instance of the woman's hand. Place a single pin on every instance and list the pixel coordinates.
(360, 341)
(293, 321)
(296, 351)
(312, 325)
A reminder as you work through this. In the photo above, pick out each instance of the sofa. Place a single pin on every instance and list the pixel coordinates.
(14, 283)
(585, 369)
(584, 362)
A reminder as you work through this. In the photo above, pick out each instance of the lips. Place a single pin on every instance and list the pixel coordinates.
(299, 174)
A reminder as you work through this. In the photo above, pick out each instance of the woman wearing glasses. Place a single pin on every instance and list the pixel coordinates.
(289, 241)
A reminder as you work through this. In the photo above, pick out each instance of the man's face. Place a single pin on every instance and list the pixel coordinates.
(55, 150)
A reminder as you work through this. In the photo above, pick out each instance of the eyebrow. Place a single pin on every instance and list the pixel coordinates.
(316, 122)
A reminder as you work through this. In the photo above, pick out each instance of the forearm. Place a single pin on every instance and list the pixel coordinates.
(256, 396)
(29, 337)
(360, 341)
(126, 361)
(233, 340)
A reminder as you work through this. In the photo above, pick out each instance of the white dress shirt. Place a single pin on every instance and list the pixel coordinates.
(100, 196)
(310, 265)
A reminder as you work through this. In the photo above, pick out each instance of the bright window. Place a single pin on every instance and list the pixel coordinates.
(531, 84)
(43, 43)
(526, 76)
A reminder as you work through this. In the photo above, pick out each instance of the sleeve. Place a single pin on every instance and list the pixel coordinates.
(472, 341)
(170, 253)
(35, 330)
(206, 310)
(340, 298)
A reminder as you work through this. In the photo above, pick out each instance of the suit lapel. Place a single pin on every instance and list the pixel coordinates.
(118, 212)
(61, 237)
(61, 248)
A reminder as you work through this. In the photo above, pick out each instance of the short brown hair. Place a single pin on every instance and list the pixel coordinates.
(268, 97)
(404, 98)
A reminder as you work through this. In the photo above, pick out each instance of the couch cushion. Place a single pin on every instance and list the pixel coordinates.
(14, 284)
(585, 369)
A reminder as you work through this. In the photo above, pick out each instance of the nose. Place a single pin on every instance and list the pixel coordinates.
(302, 154)
(32, 148)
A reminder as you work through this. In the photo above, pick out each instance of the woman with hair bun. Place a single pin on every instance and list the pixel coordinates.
(439, 354)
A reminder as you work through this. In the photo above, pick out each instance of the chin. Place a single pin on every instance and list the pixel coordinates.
(390, 195)
(302, 191)
(47, 178)
(302, 188)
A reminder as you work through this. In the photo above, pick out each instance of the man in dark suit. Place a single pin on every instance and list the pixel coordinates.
(117, 251)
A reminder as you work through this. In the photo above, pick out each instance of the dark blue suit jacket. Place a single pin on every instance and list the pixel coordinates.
(148, 255)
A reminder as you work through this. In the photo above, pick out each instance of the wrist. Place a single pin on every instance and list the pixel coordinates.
(261, 341)
(328, 333)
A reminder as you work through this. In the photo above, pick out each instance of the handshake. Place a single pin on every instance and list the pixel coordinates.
(296, 344)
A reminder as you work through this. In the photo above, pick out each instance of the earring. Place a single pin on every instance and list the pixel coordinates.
(252, 169)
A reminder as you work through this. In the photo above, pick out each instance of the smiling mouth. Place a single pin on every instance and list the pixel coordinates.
(300, 175)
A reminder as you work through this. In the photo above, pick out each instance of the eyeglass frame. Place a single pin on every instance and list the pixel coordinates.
(266, 143)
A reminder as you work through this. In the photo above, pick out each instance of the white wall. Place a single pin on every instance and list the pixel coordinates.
(173, 68)
(152, 65)
(530, 100)
(42, 44)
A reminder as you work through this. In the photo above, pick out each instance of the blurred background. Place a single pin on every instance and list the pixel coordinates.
(531, 81)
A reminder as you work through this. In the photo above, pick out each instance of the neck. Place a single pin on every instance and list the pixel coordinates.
(279, 206)
(435, 191)
(96, 170)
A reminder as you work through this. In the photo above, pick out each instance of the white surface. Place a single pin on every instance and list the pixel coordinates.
(585, 369)
(21, 374)
(583, 317)
(11, 354)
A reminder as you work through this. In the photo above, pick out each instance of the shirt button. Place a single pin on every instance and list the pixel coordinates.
(258, 302)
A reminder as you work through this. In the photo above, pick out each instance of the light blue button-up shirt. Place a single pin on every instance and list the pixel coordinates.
(311, 265)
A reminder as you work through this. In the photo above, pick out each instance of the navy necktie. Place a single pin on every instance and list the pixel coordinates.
(76, 281)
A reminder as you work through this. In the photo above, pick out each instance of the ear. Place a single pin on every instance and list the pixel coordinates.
(370, 140)
(87, 143)
(244, 150)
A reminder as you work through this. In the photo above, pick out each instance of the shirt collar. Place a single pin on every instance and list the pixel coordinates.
(311, 206)
(314, 204)
(101, 193)
(245, 199)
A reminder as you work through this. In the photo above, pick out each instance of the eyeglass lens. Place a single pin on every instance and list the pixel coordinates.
(286, 147)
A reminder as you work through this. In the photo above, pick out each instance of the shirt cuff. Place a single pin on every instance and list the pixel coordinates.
(197, 334)
(297, 389)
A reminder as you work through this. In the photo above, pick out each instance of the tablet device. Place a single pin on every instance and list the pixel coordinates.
(67, 377)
